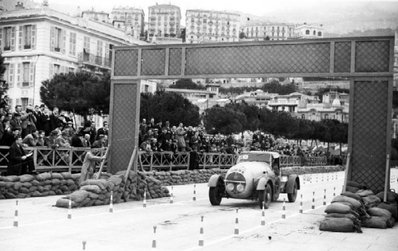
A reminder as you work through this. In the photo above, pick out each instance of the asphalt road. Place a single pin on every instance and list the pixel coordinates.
(130, 227)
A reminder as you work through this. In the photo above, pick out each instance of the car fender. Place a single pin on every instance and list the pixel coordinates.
(290, 183)
(261, 183)
(214, 180)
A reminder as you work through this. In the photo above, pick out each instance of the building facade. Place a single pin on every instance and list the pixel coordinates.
(309, 31)
(211, 26)
(268, 31)
(163, 21)
(38, 43)
(290, 102)
(98, 16)
(132, 20)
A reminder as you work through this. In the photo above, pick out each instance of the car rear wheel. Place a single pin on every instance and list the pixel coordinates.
(292, 196)
(265, 196)
(215, 195)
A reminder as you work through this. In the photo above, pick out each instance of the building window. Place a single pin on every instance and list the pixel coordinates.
(57, 69)
(86, 46)
(307, 32)
(72, 44)
(58, 40)
(98, 58)
(9, 75)
(9, 39)
(319, 34)
(25, 74)
(27, 37)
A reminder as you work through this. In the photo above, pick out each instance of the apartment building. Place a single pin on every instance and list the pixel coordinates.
(163, 21)
(38, 43)
(131, 20)
(211, 26)
(268, 31)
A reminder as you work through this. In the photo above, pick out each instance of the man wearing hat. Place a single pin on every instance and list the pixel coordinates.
(19, 162)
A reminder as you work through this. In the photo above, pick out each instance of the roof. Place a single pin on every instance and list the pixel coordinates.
(86, 24)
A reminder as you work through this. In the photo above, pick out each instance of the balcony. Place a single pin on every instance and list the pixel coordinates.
(92, 60)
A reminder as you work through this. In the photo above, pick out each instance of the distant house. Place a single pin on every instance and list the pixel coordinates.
(204, 99)
(290, 102)
(258, 98)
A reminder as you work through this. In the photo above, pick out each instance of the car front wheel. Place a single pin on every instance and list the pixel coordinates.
(265, 196)
(215, 195)
(292, 196)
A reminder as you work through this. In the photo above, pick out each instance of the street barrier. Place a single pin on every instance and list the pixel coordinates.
(48, 159)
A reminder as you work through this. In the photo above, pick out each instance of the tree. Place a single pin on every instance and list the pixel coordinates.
(172, 107)
(186, 83)
(77, 92)
(224, 120)
(242, 35)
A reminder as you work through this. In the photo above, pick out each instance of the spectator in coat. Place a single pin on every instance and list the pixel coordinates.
(19, 162)
(89, 163)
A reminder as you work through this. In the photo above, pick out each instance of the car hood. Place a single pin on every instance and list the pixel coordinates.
(250, 169)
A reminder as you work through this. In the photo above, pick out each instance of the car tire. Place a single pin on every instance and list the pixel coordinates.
(292, 196)
(265, 196)
(215, 195)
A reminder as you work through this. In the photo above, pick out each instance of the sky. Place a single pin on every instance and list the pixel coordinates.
(255, 7)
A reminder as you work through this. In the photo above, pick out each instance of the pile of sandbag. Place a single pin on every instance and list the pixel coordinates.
(360, 207)
(98, 191)
(344, 214)
(43, 184)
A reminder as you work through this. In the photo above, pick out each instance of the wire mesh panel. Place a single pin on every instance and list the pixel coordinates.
(369, 133)
(290, 58)
(124, 131)
(342, 57)
(175, 62)
(372, 56)
(126, 62)
(153, 62)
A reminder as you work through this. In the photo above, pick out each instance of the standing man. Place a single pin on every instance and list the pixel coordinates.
(19, 162)
(88, 166)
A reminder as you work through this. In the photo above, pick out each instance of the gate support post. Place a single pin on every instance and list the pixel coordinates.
(124, 123)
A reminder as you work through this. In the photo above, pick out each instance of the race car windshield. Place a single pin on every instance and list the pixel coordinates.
(254, 158)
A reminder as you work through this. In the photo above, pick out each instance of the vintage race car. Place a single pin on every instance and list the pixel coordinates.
(256, 176)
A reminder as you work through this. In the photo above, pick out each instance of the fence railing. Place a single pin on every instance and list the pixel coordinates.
(71, 160)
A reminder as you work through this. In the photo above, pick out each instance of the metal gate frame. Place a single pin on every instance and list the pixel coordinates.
(364, 60)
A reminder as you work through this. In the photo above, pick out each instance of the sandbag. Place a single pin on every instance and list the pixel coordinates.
(11, 178)
(380, 212)
(371, 201)
(352, 217)
(339, 208)
(341, 198)
(391, 196)
(375, 222)
(57, 176)
(364, 193)
(64, 202)
(66, 175)
(352, 189)
(392, 208)
(91, 188)
(355, 184)
(391, 222)
(78, 196)
(43, 176)
(352, 195)
(26, 178)
(100, 183)
(337, 225)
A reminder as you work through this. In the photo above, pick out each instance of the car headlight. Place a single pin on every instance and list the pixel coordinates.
(240, 188)
(284, 178)
(230, 187)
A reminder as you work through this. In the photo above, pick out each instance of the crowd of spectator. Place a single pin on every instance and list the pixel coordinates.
(40, 126)
(164, 137)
